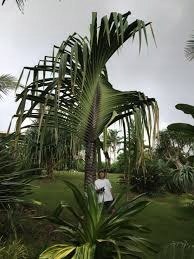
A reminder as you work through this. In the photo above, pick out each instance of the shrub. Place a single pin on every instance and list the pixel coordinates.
(181, 181)
(119, 165)
(14, 182)
(152, 179)
(14, 250)
(95, 235)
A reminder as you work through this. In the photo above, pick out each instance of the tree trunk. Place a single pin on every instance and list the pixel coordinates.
(91, 141)
(90, 163)
(49, 169)
(99, 157)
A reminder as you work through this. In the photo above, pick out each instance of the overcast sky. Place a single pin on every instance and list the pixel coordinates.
(160, 72)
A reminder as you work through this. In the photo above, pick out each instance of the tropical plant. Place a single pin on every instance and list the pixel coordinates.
(119, 165)
(154, 181)
(175, 147)
(184, 127)
(94, 234)
(14, 183)
(7, 83)
(78, 96)
(14, 250)
(181, 180)
(46, 152)
(133, 157)
(177, 250)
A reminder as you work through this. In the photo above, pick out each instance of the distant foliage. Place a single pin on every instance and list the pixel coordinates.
(119, 165)
(174, 147)
(152, 180)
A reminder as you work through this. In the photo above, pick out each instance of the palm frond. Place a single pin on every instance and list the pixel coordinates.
(20, 3)
(80, 76)
(14, 181)
(7, 83)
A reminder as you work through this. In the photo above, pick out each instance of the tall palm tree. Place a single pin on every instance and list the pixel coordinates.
(70, 89)
(189, 49)
(7, 82)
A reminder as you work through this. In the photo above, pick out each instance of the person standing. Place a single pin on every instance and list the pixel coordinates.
(104, 190)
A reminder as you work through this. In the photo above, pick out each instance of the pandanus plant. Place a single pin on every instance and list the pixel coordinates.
(70, 89)
(94, 235)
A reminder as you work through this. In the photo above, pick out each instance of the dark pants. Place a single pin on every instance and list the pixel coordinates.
(107, 205)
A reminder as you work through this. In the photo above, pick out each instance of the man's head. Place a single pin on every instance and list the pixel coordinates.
(102, 174)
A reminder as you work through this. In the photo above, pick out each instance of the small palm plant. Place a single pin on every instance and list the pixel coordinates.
(94, 234)
(14, 182)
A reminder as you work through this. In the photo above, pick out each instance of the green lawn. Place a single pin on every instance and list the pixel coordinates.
(169, 217)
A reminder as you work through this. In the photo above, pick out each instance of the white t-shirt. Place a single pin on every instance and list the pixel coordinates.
(106, 195)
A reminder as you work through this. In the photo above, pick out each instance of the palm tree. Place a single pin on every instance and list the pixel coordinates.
(113, 141)
(7, 82)
(189, 49)
(74, 83)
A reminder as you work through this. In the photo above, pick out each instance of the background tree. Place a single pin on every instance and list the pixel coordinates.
(46, 153)
(83, 101)
(183, 178)
(174, 147)
(113, 140)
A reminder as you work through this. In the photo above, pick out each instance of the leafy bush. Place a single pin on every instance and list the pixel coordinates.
(119, 165)
(152, 179)
(177, 250)
(14, 250)
(181, 181)
(95, 235)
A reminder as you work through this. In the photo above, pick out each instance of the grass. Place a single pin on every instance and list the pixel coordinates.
(169, 217)
(50, 193)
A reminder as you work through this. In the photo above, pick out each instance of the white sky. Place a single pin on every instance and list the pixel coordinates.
(162, 72)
